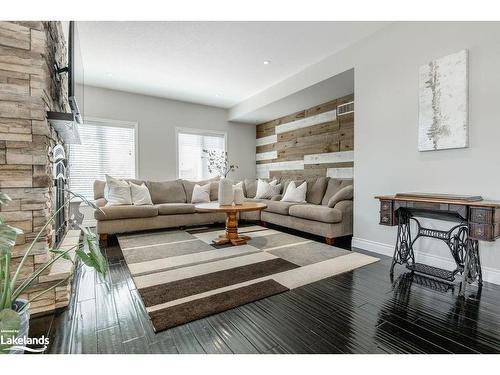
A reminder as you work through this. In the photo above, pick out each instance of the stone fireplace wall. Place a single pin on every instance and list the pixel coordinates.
(29, 87)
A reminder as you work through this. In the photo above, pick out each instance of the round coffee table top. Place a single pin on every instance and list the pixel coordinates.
(215, 207)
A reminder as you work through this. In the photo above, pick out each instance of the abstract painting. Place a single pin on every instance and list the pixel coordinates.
(443, 103)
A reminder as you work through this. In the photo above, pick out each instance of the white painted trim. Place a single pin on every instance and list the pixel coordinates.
(306, 122)
(340, 172)
(330, 157)
(99, 121)
(270, 139)
(266, 155)
(491, 275)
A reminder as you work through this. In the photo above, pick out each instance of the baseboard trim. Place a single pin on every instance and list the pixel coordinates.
(490, 275)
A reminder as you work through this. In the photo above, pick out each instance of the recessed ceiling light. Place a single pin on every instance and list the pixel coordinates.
(109, 74)
(217, 95)
(267, 62)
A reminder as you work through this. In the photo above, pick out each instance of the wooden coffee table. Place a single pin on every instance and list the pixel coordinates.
(231, 235)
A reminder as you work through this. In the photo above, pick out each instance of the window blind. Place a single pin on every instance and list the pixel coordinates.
(104, 150)
(192, 161)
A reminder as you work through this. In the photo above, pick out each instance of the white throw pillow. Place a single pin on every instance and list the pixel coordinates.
(201, 194)
(117, 192)
(295, 194)
(266, 190)
(140, 195)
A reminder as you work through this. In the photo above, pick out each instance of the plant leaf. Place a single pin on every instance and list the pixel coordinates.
(8, 235)
(4, 198)
(10, 323)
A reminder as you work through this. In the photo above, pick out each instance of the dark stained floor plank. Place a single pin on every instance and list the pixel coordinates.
(361, 311)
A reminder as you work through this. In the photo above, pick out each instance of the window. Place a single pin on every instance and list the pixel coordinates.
(191, 160)
(107, 148)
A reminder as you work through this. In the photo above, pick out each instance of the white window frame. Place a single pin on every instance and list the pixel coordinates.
(196, 132)
(99, 121)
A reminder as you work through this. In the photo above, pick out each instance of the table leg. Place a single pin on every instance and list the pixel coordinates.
(231, 235)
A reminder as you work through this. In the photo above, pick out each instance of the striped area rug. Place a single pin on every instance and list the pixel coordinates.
(181, 277)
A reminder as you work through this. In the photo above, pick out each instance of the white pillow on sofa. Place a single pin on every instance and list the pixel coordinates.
(294, 193)
(117, 192)
(201, 194)
(140, 195)
(267, 190)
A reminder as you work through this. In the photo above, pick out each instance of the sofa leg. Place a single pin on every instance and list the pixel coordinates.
(103, 239)
(329, 240)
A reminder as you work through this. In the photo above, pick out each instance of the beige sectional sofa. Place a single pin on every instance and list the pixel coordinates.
(321, 215)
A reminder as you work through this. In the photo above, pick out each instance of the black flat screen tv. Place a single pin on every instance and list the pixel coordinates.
(74, 73)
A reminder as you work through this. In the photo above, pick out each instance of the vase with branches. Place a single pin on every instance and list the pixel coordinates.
(218, 162)
(14, 310)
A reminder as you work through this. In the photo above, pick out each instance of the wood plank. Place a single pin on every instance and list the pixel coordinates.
(307, 121)
(332, 157)
(270, 155)
(325, 107)
(266, 140)
(325, 127)
(265, 148)
(340, 173)
(345, 164)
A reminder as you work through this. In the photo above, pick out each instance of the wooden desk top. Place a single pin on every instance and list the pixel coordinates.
(440, 198)
(215, 207)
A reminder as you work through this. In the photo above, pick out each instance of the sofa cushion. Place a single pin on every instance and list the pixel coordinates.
(278, 207)
(125, 212)
(344, 194)
(99, 189)
(214, 188)
(317, 213)
(250, 187)
(175, 208)
(167, 191)
(100, 185)
(285, 181)
(316, 189)
(117, 192)
(334, 185)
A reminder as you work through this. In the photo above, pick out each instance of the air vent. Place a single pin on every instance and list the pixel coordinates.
(345, 109)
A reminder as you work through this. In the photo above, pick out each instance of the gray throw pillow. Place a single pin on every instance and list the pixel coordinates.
(167, 192)
(250, 187)
(316, 190)
(344, 194)
(214, 187)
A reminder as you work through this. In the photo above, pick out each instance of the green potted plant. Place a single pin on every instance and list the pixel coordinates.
(14, 312)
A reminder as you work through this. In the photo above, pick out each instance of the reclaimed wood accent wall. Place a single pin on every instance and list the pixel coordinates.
(318, 141)
(29, 87)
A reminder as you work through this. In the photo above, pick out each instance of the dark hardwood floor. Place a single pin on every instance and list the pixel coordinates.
(356, 312)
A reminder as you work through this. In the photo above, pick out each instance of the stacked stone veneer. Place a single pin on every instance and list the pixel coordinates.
(29, 87)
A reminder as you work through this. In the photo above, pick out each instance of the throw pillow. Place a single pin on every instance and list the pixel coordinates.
(344, 194)
(201, 194)
(117, 192)
(266, 190)
(294, 193)
(140, 195)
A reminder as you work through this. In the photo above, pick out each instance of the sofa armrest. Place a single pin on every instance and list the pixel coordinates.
(346, 206)
(101, 202)
(277, 197)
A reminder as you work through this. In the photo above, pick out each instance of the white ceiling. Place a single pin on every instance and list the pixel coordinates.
(212, 63)
(332, 88)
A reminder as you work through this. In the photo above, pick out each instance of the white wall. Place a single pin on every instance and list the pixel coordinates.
(386, 158)
(386, 90)
(158, 119)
